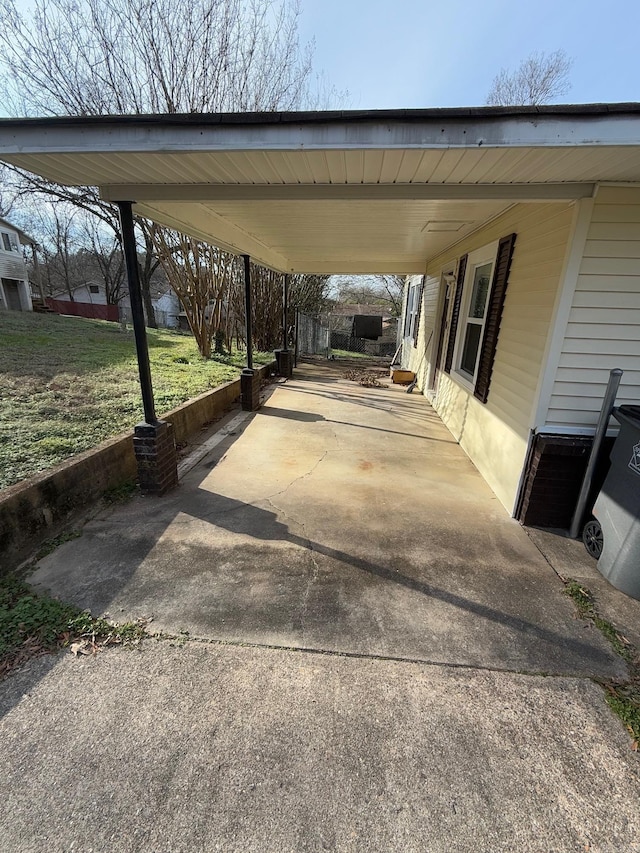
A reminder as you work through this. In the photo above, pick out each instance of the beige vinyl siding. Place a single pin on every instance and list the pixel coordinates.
(603, 330)
(495, 434)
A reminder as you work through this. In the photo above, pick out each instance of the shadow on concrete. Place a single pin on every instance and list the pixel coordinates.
(383, 402)
(290, 414)
(101, 570)
(336, 580)
(30, 674)
(310, 417)
(261, 524)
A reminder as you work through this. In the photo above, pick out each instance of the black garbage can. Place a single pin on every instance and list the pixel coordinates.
(617, 507)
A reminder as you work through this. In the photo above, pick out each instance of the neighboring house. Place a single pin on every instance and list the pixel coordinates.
(89, 300)
(15, 292)
(166, 307)
(513, 331)
(91, 292)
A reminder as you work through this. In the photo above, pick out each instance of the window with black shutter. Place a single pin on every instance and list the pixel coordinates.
(416, 324)
(455, 313)
(494, 316)
(477, 311)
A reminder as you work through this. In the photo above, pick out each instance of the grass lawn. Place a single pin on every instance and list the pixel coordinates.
(344, 353)
(67, 383)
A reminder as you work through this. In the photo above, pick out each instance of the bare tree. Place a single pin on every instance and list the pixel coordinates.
(94, 57)
(6, 195)
(104, 254)
(59, 250)
(539, 79)
(202, 278)
(384, 290)
(309, 293)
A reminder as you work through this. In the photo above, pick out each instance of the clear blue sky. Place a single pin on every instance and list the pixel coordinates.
(436, 53)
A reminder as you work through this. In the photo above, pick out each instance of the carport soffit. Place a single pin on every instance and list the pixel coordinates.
(316, 192)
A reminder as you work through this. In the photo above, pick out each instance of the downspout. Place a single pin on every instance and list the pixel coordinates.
(601, 430)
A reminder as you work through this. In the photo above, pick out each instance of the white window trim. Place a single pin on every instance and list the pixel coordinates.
(412, 310)
(485, 255)
(12, 239)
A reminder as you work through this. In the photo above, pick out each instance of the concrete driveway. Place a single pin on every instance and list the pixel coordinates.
(377, 658)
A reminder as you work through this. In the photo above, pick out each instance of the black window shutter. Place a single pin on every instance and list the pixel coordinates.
(494, 316)
(455, 311)
(418, 310)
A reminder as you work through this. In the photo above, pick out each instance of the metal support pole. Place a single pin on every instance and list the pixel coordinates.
(603, 422)
(295, 351)
(137, 312)
(247, 304)
(285, 310)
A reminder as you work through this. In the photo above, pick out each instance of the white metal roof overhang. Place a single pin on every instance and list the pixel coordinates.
(345, 192)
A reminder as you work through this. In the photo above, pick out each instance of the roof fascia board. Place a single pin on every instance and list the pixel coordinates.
(188, 193)
(23, 137)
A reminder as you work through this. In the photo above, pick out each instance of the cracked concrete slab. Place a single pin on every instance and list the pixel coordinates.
(338, 518)
(204, 747)
(363, 600)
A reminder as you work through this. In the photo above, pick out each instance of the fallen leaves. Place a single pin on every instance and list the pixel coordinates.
(367, 378)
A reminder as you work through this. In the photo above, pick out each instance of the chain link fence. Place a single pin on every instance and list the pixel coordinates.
(318, 335)
(164, 319)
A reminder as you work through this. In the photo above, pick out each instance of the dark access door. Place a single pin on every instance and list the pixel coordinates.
(12, 294)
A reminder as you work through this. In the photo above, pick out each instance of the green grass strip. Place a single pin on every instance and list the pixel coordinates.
(33, 623)
(622, 698)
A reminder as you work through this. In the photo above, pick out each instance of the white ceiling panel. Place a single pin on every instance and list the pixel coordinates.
(335, 192)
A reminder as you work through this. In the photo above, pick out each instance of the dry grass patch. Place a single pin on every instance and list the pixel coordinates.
(67, 383)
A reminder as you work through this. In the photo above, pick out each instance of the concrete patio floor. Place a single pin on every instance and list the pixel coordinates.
(339, 518)
(378, 658)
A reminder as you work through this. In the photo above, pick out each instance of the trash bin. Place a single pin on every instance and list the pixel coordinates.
(617, 508)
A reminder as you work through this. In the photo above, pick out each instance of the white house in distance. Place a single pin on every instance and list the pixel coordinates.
(519, 227)
(90, 300)
(15, 293)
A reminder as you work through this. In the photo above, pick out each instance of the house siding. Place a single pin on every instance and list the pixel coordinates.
(603, 329)
(13, 268)
(495, 434)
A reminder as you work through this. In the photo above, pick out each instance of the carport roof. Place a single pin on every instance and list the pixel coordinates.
(335, 192)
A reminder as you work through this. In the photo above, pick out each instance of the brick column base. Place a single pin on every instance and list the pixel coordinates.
(155, 451)
(284, 359)
(250, 390)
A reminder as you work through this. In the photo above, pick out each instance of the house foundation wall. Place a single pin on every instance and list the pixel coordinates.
(553, 477)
